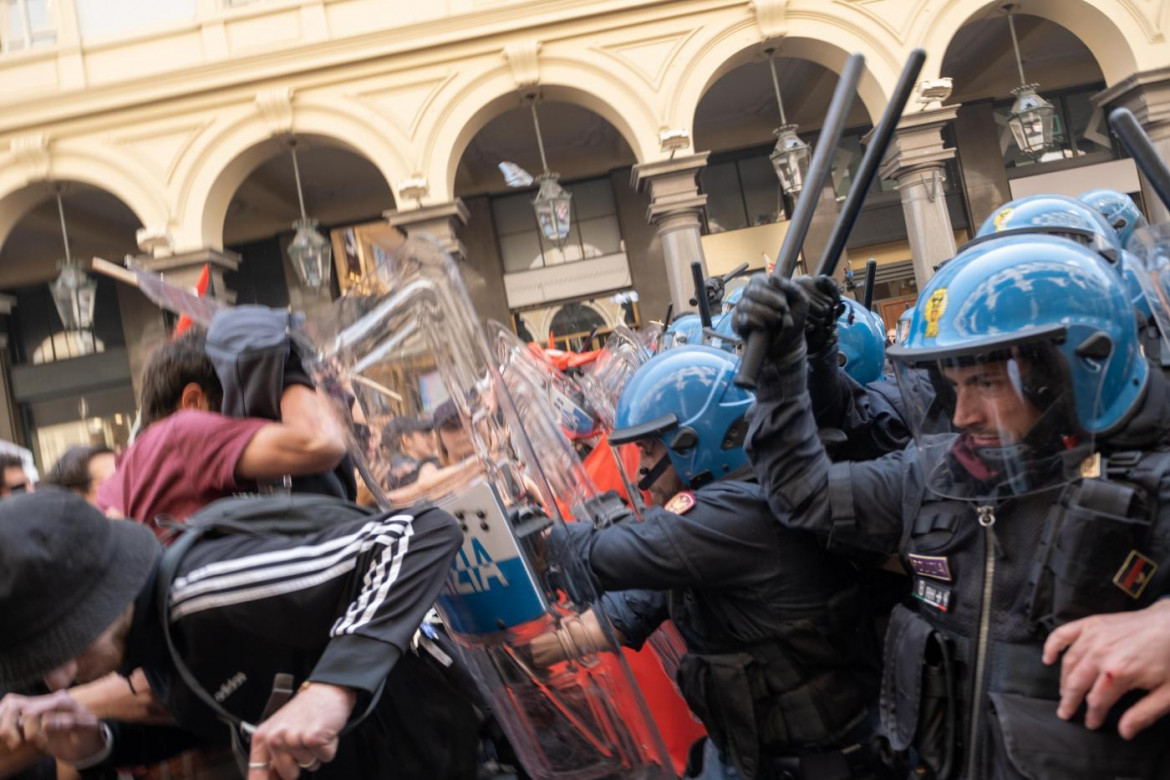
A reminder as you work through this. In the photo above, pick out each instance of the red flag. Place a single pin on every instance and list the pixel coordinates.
(201, 287)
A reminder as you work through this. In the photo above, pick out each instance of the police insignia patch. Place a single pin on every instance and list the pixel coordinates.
(934, 566)
(1135, 574)
(934, 311)
(932, 594)
(681, 503)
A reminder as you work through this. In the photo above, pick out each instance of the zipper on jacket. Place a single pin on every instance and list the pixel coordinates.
(987, 521)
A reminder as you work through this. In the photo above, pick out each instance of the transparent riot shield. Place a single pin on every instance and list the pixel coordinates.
(563, 397)
(405, 342)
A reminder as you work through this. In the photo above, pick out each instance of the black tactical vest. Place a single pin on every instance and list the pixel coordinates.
(804, 689)
(964, 683)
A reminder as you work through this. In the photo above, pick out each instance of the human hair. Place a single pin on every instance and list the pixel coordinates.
(172, 367)
(393, 431)
(7, 461)
(71, 471)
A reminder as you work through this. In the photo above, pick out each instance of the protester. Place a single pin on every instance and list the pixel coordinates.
(79, 598)
(189, 454)
(14, 480)
(83, 470)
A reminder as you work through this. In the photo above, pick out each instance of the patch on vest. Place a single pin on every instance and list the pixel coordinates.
(937, 596)
(681, 503)
(1135, 574)
(934, 566)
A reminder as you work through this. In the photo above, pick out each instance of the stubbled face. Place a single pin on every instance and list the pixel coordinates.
(103, 656)
(651, 451)
(989, 406)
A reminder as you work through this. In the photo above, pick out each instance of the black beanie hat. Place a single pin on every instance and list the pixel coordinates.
(66, 574)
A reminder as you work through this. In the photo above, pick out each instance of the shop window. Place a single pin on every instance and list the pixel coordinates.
(595, 230)
(25, 24)
(37, 336)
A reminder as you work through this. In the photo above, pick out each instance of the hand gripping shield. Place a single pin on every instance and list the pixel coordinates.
(404, 342)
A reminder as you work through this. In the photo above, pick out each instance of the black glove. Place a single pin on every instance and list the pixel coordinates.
(824, 307)
(777, 308)
(603, 510)
(714, 287)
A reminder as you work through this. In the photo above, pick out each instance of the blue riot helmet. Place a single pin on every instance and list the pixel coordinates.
(1057, 214)
(1118, 209)
(684, 329)
(861, 341)
(685, 398)
(1031, 345)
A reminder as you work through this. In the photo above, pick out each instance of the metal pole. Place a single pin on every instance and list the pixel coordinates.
(539, 140)
(64, 232)
(292, 147)
(1015, 43)
(776, 85)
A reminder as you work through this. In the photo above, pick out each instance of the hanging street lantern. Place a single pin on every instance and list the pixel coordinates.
(791, 156)
(790, 159)
(74, 294)
(74, 291)
(310, 252)
(553, 207)
(553, 204)
(1031, 118)
(1031, 121)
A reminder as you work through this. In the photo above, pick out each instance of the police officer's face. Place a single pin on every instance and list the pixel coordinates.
(989, 406)
(650, 452)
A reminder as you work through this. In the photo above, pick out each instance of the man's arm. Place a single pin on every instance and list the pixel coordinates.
(855, 505)
(711, 545)
(803, 489)
(309, 440)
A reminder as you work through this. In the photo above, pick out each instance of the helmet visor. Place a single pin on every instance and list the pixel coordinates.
(1149, 248)
(999, 423)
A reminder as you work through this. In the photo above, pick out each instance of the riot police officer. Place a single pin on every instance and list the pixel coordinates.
(780, 665)
(1043, 504)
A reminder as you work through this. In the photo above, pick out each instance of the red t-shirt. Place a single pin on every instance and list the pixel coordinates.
(179, 465)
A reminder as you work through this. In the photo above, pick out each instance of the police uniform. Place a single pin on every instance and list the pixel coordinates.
(964, 685)
(780, 665)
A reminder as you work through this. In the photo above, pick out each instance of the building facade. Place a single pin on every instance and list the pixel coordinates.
(165, 126)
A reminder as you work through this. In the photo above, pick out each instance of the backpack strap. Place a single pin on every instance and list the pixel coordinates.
(167, 570)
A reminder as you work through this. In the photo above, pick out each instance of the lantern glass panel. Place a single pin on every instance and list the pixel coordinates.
(553, 207)
(790, 159)
(311, 254)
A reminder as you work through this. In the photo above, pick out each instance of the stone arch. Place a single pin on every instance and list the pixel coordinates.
(21, 190)
(457, 120)
(1111, 36)
(213, 170)
(823, 40)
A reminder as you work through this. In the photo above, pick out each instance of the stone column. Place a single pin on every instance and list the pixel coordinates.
(142, 320)
(917, 160)
(183, 269)
(1147, 95)
(441, 222)
(676, 209)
